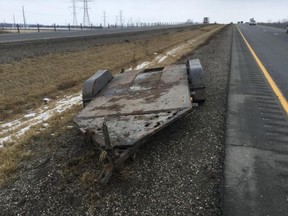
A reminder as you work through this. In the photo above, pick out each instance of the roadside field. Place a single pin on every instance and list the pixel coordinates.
(25, 83)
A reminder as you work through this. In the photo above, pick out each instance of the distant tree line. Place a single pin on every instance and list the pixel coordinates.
(280, 24)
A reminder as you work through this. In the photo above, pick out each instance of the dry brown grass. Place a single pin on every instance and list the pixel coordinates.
(23, 84)
(9, 160)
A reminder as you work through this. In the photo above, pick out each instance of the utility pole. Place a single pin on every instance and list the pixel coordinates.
(86, 19)
(104, 19)
(75, 23)
(24, 19)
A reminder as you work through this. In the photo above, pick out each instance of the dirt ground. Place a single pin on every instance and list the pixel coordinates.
(179, 171)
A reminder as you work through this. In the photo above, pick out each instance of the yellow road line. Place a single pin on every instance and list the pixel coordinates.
(273, 85)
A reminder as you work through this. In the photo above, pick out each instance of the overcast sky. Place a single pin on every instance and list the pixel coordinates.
(221, 11)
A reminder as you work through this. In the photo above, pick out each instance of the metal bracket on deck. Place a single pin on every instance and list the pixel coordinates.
(95, 84)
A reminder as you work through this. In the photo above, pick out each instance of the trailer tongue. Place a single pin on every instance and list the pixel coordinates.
(122, 112)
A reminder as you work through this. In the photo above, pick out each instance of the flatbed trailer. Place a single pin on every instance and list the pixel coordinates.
(120, 113)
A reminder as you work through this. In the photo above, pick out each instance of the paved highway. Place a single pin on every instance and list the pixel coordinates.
(271, 46)
(23, 37)
(256, 160)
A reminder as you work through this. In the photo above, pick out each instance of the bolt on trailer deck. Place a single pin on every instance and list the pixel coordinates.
(120, 113)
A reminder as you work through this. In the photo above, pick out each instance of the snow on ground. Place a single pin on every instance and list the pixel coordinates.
(162, 57)
(10, 131)
(142, 65)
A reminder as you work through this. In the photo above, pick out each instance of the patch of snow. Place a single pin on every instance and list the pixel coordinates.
(10, 124)
(174, 51)
(20, 126)
(159, 58)
(142, 65)
(139, 88)
(129, 69)
(162, 59)
(46, 125)
(30, 115)
(191, 41)
(46, 99)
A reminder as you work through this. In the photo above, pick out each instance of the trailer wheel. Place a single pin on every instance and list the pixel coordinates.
(196, 80)
(94, 85)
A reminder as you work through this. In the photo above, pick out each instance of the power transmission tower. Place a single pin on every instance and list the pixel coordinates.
(14, 21)
(131, 21)
(24, 19)
(121, 18)
(75, 23)
(86, 19)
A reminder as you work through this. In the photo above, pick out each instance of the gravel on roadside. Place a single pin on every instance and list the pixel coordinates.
(179, 171)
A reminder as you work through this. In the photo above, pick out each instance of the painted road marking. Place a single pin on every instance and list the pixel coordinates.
(275, 34)
(273, 85)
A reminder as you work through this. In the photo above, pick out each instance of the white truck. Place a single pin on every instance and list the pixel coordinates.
(206, 20)
(252, 22)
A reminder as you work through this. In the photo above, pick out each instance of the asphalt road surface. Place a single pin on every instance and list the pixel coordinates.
(14, 37)
(271, 46)
(256, 160)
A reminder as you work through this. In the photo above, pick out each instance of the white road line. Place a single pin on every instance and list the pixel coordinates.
(265, 30)
(275, 34)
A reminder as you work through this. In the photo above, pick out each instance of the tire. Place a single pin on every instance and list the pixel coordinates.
(196, 80)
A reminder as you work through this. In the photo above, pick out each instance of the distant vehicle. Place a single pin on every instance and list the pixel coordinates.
(252, 22)
(206, 20)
